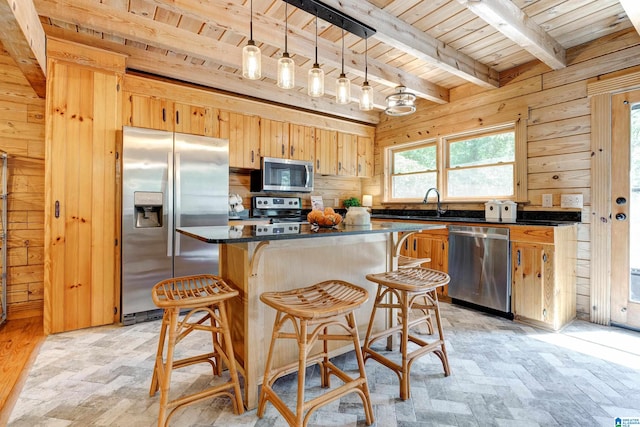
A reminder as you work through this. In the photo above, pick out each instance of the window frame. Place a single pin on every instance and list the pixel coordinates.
(442, 163)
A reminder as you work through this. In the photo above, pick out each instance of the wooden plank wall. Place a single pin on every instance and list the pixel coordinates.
(22, 137)
(557, 110)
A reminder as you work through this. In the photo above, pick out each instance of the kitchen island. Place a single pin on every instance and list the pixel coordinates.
(277, 257)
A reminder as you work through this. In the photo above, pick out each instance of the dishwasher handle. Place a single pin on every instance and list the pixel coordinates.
(483, 235)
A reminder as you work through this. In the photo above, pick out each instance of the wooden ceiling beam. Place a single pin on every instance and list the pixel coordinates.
(23, 37)
(396, 33)
(632, 8)
(234, 17)
(513, 23)
(209, 75)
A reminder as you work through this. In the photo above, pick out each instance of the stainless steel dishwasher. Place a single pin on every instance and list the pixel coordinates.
(480, 267)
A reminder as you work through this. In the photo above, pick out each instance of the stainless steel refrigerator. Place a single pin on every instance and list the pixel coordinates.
(168, 180)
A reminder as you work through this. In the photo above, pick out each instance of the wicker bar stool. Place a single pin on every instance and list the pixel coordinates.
(205, 297)
(406, 289)
(312, 311)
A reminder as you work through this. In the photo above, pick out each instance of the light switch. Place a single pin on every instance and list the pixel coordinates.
(571, 201)
(547, 200)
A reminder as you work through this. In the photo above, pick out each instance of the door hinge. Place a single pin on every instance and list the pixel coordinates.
(544, 257)
(116, 242)
(115, 310)
(518, 257)
(117, 155)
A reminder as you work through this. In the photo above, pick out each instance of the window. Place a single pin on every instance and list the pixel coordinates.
(473, 166)
(413, 170)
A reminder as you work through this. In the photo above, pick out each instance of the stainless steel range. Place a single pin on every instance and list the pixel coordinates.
(278, 209)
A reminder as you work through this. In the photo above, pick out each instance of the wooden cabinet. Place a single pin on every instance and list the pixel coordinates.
(347, 154)
(326, 152)
(302, 142)
(243, 133)
(432, 244)
(543, 290)
(164, 114)
(84, 115)
(274, 139)
(195, 120)
(365, 157)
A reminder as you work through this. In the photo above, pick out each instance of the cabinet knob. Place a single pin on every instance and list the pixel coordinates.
(621, 201)
(621, 217)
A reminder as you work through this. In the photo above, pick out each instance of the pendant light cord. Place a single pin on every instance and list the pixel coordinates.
(366, 65)
(286, 27)
(251, 20)
(316, 37)
(343, 49)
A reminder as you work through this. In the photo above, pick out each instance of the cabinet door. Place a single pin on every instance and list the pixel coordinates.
(243, 133)
(326, 152)
(81, 260)
(274, 139)
(149, 112)
(302, 142)
(193, 119)
(347, 154)
(532, 281)
(365, 157)
(437, 249)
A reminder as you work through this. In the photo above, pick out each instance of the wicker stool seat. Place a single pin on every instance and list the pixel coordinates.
(313, 311)
(408, 262)
(205, 297)
(407, 289)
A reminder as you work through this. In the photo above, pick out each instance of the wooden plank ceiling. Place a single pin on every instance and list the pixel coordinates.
(427, 46)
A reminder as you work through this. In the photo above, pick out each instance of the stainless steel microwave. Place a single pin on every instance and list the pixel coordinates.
(283, 175)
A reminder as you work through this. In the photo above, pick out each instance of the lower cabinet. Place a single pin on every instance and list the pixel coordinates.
(432, 244)
(543, 288)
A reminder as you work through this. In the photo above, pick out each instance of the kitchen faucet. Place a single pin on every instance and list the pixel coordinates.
(439, 210)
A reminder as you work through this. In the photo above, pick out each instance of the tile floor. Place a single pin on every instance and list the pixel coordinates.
(503, 374)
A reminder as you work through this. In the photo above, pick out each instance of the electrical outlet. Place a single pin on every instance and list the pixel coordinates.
(547, 200)
(571, 201)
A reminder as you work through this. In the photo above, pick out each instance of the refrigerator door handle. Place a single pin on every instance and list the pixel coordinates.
(177, 204)
(169, 202)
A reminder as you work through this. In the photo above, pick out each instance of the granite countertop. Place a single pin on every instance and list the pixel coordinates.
(287, 231)
(542, 218)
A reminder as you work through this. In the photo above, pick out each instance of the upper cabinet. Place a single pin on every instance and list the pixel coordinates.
(243, 133)
(347, 154)
(195, 119)
(274, 139)
(164, 114)
(365, 157)
(326, 152)
(302, 142)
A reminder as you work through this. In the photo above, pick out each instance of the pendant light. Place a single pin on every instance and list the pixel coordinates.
(343, 85)
(400, 103)
(286, 66)
(315, 81)
(366, 93)
(251, 68)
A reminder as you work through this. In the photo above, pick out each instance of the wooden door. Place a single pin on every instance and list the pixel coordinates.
(81, 260)
(625, 200)
(302, 142)
(347, 154)
(326, 152)
(365, 157)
